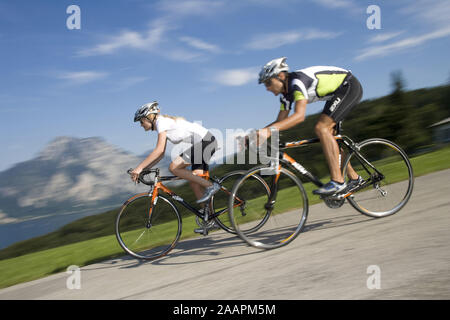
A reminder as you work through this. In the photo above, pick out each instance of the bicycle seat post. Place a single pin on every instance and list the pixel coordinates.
(206, 212)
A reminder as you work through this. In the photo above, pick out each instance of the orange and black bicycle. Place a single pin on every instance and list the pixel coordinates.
(384, 185)
(149, 224)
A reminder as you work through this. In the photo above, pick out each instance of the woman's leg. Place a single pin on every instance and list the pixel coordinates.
(178, 168)
(198, 189)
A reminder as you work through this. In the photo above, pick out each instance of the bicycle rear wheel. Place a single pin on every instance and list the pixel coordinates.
(147, 236)
(269, 221)
(388, 186)
(221, 198)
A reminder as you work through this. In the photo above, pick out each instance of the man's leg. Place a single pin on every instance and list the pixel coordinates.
(351, 173)
(324, 130)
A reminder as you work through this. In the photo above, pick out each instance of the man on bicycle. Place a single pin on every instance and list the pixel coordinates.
(337, 86)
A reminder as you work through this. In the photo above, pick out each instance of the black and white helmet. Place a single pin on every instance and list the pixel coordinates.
(272, 69)
(146, 110)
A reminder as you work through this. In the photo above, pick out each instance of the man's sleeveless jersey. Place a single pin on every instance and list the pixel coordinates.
(313, 84)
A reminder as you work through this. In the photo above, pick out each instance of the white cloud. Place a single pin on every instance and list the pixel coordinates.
(82, 77)
(200, 44)
(384, 50)
(278, 39)
(189, 7)
(128, 39)
(329, 4)
(156, 39)
(127, 83)
(179, 54)
(385, 37)
(431, 12)
(336, 3)
(352, 7)
(425, 14)
(237, 77)
(4, 218)
(273, 40)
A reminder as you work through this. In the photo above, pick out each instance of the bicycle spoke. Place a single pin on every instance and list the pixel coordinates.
(143, 240)
(139, 237)
(239, 204)
(386, 188)
(263, 221)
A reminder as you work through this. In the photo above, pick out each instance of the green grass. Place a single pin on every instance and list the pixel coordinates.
(42, 263)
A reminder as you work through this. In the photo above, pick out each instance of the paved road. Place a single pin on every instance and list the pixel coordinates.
(330, 260)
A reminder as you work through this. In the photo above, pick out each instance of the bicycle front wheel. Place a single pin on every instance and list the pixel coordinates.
(221, 198)
(388, 180)
(148, 231)
(273, 220)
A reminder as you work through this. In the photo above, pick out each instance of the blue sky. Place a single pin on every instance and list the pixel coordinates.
(198, 58)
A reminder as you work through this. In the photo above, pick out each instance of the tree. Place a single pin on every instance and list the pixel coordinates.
(404, 125)
(397, 96)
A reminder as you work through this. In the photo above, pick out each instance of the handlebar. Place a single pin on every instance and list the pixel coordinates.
(249, 142)
(144, 174)
(146, 178)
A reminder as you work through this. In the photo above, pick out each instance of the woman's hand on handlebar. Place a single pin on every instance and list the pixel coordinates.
(135, 174)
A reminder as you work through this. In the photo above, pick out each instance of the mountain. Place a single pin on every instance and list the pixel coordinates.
(70, 175)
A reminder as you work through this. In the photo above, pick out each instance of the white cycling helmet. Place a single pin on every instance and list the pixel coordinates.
(145, 110)
(272, 69)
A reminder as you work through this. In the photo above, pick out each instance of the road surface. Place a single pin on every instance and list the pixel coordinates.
(341, 255)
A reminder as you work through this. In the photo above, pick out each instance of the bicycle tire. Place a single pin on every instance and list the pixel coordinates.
(281, 227)
(161, 232)
(220, 199)
(374, 200)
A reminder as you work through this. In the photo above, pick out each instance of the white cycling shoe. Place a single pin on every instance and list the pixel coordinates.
(209, 192)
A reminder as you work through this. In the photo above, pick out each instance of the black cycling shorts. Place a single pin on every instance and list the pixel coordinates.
(200, 153)
(344, 99)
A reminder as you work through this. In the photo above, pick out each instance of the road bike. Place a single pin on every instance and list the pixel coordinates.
(384, 188)
(149, 225)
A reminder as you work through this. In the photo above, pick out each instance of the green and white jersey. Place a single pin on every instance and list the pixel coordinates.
(316, 83)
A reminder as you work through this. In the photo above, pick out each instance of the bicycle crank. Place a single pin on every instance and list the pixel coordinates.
(333, 202)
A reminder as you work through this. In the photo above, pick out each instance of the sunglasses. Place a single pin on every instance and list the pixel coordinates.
(268, 83)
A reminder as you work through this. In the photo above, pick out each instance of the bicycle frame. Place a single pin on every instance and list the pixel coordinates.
(284, 157)
(160, 187)
(352, 148)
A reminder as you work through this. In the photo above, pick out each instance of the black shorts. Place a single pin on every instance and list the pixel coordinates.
(344, 99)
(201, 151)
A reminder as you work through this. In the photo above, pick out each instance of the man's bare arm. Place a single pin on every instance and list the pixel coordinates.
(287, 122)
(283, 114)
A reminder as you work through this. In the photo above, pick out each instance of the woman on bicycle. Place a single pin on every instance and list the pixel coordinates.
(176, 130)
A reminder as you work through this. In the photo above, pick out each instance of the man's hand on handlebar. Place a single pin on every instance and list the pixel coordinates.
(262, 135)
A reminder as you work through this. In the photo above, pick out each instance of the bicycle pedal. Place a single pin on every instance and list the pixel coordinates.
(202, 231)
